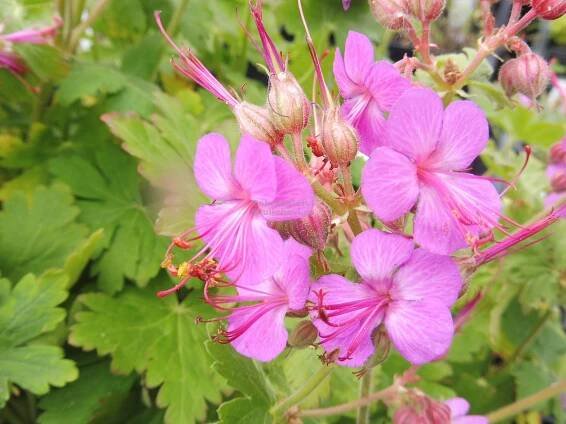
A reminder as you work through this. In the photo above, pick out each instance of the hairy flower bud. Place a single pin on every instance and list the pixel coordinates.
(256, 121)
(392, 14)
(313, 229)
(304, 335)
(289, 107)
(558, 153)
(527, 74)
(426, 10)
(558, 182)
(339, 139)
(421, 409)
(549, 9)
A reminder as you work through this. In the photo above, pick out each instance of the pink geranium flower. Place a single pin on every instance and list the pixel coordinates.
(459, 407)
(428, 149)
(556, 173)
(408, 290)
(369, 89)
(256, 327)
(261, 188)
(346, 4)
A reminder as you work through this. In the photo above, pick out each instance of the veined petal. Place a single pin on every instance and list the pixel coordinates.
(213, 168)
(346, 86)
(265, 336)
(464, 135)
(295, 279)
(385, 84)
(294, 197)
(238, 236)
(420, 330)
(428, 276)
(389, 184)
(415, 122)
(376, 255)
(293, 247)
(255, 169)
(370, 124)
(358, 56)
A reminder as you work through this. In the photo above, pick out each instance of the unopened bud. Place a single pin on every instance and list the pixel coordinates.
(426, 10)
(558, 182)
(382, 346)
(304, 335)
(289, 107)
(527, 74)
(419, 408)
(256, 121)
(558, 153)
(339, 139)
(312, 230)
(549, 9)
(392, 14)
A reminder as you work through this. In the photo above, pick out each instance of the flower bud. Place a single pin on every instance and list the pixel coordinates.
(339, 139)
(256, 121)
(549, 9)
(558, 182)
(419, 408)
(558, 153)
(304, 335)
(527, 74)
(391, 14)
(312, 230)
(426, 10)
(382, 346)
(289, 107)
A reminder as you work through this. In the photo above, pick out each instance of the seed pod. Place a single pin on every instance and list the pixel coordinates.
(392, 14)
(527, 74)
(304, 335)
(426, 10)
(256, 121)
(289, 107)
(339, 139)
(549, 9)
(313, 229)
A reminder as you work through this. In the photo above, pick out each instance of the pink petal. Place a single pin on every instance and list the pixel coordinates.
(240, 239)
(294, 197)
(470, 419)
(293, 247)
(420, 330)
(255, 169)
(213, 168)
(386, 84)
(428, 276)
(295, 278)
(265, 338)
(435, 228)
(552, 199)
(338, 290)
(370, 123)
(376, 255)
(458, 406)
(414, 124)
(12, 62)
(389, 184)
(358, 56)
(464, 135)
(346, 86)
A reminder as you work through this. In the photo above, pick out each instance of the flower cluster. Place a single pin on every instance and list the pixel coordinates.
(275, 213)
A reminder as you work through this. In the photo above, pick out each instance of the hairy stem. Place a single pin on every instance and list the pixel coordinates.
(365, 388)
(299, 152)
(328, 197)
(528, 402)
(296, 398)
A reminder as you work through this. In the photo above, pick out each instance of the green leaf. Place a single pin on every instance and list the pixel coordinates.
(246, 376)
(108, 189)
(29, 310)
(157, 337)
(39, 233)
(530, 378)
(85, 398)
(45, 61)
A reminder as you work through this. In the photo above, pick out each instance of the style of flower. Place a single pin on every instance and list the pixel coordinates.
(407, 289)
(369, 89)
(12, 61)
(261, 188)
(256, 327)
(423, 163)
(459, 407)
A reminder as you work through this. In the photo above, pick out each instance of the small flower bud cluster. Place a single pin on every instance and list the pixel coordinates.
(527, 74)
(397, 14)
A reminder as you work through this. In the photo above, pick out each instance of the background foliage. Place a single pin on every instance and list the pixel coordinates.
(85, 164)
